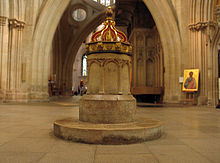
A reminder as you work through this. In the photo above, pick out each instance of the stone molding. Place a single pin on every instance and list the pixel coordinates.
(199, 26)
(14, 23)
(3, 20)
(114, 47)
(217, 13)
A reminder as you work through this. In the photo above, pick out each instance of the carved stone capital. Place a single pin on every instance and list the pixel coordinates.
(14, 23)
(199, 26)
(3, 20)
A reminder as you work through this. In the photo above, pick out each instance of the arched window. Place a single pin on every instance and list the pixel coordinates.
(84, 65)
(105, 2)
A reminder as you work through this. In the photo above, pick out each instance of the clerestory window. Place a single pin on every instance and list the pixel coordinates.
(105, 2)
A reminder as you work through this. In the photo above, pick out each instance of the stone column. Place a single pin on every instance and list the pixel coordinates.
(133, 39)
(216, 93)
(200, 47)
(19, 91)
(203, 30)
(14, 61)
(3, 55)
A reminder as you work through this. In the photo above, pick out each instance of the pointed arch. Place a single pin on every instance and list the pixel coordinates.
(45, 28)
(171, 40)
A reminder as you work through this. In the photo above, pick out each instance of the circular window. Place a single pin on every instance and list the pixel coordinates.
(79, 15)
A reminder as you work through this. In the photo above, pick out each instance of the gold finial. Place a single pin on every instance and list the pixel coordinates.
(109, 13)
(109, 32)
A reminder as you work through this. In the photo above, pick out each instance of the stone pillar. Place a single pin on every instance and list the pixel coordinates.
(216, 93)
(203, 52)
(201, 35)
(3, 55)
(13, 88)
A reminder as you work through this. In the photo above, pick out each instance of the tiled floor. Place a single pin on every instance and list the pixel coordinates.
(191, 135)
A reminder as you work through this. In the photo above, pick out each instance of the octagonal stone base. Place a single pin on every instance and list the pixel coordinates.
(107, 109)
(122, 133)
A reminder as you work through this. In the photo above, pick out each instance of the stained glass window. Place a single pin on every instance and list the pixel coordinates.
(103, 2)
(108, 2)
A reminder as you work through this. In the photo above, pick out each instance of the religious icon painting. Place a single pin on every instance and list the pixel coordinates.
(191, 80)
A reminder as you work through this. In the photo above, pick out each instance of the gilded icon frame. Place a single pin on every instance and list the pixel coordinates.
(191, 80)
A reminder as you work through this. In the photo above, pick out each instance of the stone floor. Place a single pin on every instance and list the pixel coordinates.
(191, 135)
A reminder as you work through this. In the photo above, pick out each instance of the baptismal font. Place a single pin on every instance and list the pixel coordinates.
(107, 112)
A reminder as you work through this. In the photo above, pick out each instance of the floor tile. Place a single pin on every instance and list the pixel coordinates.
(67, 157)
(165, 139)
(125, 158)
(177, 154)
(27, 145)
(122, 149)
(20, 157)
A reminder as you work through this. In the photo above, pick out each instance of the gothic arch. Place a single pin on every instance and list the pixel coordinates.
(167, 27)
(84, 32)
(172, 44)
(214, 85)
(42, 40)
(214, 55)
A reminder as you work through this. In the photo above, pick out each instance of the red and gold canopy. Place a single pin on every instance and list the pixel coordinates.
(109, 39)
(109, 32)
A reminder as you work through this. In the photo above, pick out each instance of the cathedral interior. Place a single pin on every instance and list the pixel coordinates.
(44, 54)
(44, 72)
